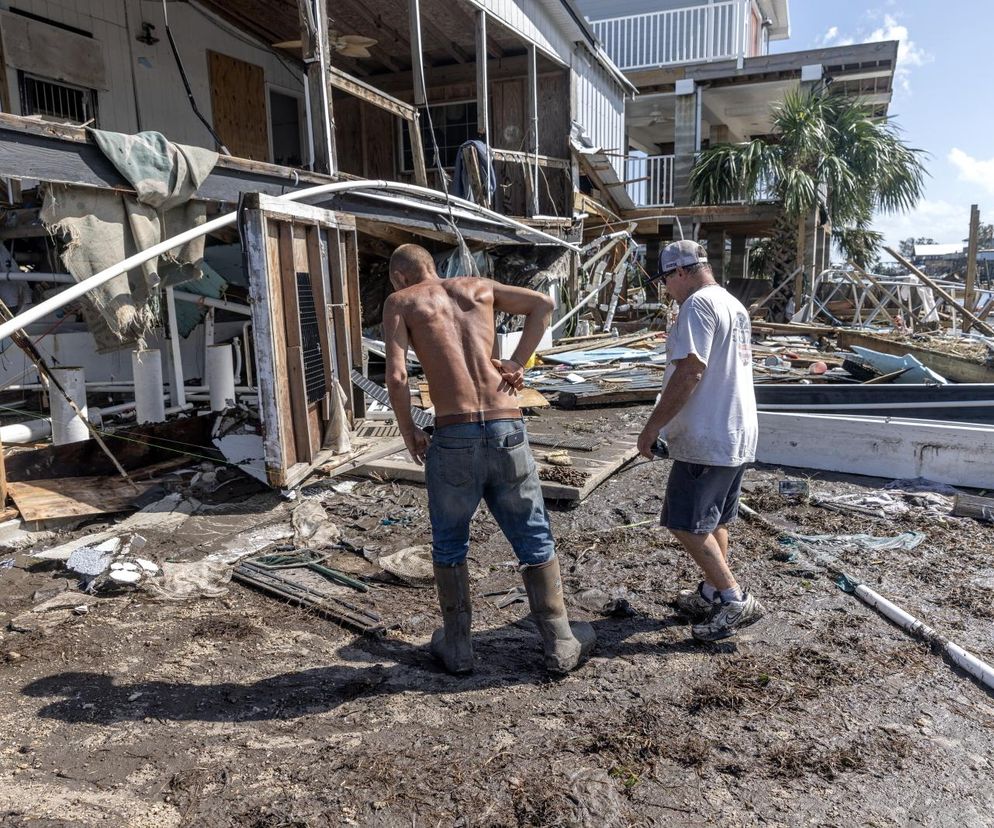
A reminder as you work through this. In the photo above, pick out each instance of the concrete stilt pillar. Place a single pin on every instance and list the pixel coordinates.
(686, 132)
(67, 427)
(146, 367)
(736, 265)
(221, 377)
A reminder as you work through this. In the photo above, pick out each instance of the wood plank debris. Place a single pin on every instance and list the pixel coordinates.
(973, 506)
(953, 368)
(597, 466)
(76, 496)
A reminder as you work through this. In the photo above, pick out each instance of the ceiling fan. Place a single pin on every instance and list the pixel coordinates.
(353, 46)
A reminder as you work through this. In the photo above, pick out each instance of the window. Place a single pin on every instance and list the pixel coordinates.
(285, 132)
(454, 123)
(55, 101)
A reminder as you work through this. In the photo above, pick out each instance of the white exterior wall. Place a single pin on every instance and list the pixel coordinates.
(532, 21)
(151, 70)
(599, 106)
(598, 99)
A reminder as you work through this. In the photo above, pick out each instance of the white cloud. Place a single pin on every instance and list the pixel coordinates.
(973, 170)
(940, 220)
(909, 54)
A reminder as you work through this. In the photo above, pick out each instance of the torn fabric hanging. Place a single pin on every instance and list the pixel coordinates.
(104, 228)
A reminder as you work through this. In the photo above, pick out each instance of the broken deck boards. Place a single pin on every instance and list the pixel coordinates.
(598, 465)
(76, 496)
(953, 368)
(954, 453)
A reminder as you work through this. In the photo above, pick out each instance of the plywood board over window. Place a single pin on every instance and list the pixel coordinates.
(238, 106)
(303, 279)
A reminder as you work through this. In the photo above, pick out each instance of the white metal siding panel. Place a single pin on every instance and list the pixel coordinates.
(600, 106)
(532, 21)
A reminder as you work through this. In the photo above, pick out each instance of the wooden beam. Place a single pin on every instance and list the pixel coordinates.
(953, 368)
(532, 92)
(454, 49)
(482, 83)
(969, 314)
(506, 69)
(314, 45)
(970, 297)
(370, 94)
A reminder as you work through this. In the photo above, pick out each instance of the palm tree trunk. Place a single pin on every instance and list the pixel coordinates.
(785, 260)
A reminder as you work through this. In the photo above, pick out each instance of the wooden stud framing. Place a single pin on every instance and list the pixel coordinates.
(314, 43)
(282, 240)
(970, 296)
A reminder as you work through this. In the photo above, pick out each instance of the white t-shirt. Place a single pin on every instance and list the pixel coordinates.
(718, 425)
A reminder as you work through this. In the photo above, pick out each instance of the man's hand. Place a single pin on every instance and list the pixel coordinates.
(512, 375)
(417, 444)
(647, 439)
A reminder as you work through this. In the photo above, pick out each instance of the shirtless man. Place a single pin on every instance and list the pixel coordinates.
(479, 448)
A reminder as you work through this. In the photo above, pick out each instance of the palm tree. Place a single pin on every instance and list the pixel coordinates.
(828, 152)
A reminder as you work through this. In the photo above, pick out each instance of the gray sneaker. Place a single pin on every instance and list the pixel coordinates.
(693, 604)
(727, 618)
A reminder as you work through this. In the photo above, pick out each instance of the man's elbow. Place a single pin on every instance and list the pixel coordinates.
(396, 381)
(543, 307)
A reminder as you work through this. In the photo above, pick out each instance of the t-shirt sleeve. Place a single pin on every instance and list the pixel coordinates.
(694, 332)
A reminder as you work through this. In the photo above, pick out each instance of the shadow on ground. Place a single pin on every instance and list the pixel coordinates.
(503, 658)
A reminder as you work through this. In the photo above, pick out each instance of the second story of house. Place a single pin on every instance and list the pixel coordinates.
(643, 34)
(518, 75)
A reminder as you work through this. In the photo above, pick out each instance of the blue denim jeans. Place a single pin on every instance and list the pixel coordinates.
(492, 461)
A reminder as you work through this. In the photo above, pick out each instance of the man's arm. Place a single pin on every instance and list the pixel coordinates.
(537, 309)
(682, 384)
(396, 342)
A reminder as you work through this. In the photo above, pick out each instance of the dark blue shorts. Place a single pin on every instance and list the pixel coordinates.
(699, 498)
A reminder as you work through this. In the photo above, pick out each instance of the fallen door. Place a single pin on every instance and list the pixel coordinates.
(303, 281)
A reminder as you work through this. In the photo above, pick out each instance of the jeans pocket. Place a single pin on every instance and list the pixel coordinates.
(454, 465)
(696, 471)
(515, 463)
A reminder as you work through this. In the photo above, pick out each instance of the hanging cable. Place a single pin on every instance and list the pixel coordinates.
(186, 83)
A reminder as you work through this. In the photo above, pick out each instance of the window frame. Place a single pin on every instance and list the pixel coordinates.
(428, 149)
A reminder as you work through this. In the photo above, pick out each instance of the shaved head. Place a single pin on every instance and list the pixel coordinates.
(410, 263)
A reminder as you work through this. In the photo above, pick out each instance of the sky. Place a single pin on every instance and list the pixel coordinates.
(943, 97)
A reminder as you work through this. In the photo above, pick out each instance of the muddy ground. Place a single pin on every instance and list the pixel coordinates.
(242, 711)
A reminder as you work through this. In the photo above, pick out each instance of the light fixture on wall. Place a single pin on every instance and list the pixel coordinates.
(146, 36)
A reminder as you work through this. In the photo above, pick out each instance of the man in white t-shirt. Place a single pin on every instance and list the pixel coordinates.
(707, 415)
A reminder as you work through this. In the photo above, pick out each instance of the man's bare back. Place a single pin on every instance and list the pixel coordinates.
(450, 325)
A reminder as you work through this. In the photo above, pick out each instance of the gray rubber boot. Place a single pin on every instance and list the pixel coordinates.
(451, 644)
(566, 644)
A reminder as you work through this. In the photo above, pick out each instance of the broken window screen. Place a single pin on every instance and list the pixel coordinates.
(55, 101)
(454, 123)
(310, 339)
(284, 115)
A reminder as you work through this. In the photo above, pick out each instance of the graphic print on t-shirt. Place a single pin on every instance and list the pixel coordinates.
(742, 335)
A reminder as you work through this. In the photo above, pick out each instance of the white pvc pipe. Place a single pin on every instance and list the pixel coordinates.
(80, 289)
(980, 670)
(580, 305)
(67, 427)
(150, 402)
(220, 377)
(30, 431)
(197, 299)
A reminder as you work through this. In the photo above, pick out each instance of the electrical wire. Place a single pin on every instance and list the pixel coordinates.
(186, 84)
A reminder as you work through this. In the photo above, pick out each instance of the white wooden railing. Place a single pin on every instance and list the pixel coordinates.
(688, 35)
(650, 180)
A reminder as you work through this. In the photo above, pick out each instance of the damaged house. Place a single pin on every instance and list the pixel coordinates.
(200, 198)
